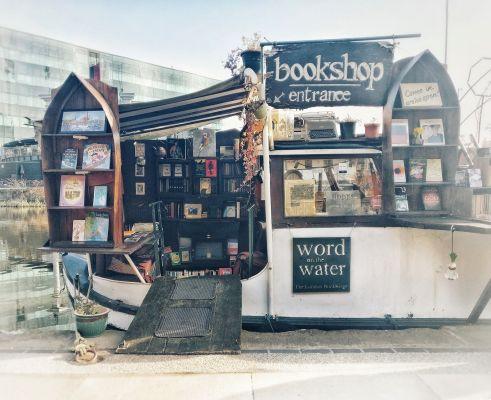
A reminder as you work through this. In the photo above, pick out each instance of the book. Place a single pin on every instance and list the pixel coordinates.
(185, 256)
(204, 186)
(399, 171)
(204, 143)
(96, 226)
(192, 210)
(400, 132)
(225, 271)
(72, 191)
(78, 230)
(461, 178)
(232, 247)
(433, 133)
(417, 169)
(230, 211)
(211, 168)
(96, 156)
(178, 170)
(401, 202)
(69, 159)
(474, 177)
(200, 167)
(434, 170)
(165, 170)
(175, 258)
(431, 199)
(100, 196)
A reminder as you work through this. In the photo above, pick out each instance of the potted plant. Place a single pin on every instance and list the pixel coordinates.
(251, 56)
(90, 317)
(372, 129)
(347, 126)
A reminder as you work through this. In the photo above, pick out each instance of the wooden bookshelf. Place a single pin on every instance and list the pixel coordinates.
(78, 94)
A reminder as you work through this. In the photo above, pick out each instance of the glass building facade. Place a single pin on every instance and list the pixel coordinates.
(30, 66)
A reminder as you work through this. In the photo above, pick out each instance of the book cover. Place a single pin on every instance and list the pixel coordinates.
(399, 171)
(211, 168)
(165, 170)
(461, 178)
(474, 176)
(100, 196)
(200, 167)
(96, 226)
(434, 170)
(178, 170)
(204, 143)
(78, 230)
(400, 132)
(192, 210)
(204, 186)
(175, 258)
(433, 133)
(401, 202)
(96, 156)
(225, 271)
(69, 159)
(232, 247)
(417, 169)
(72, 191)
(230, 211)
(431, 199)
(185, 256)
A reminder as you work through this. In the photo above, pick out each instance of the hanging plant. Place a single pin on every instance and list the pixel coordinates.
(250, 144)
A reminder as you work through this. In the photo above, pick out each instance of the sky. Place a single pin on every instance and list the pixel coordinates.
(197, 35)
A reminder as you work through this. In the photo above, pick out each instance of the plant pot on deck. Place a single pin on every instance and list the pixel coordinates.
(91, 325)
(372, 130)
(347, 129)
(252, 59)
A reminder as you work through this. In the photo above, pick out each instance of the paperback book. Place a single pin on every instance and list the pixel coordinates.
(96, 226)
(96, 156)
(431, 199)
(400, 132)
(72, 191)
(211, 168)
(69, 159)
(399, 171)
(434, 170)
(401, 203)
(433, 133)
(100, 196)
(417, 169)
(78, 230)
(474, 176)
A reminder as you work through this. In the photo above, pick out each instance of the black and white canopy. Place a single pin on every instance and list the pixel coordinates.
(168, 116)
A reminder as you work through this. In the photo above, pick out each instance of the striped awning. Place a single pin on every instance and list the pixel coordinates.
(180, 113)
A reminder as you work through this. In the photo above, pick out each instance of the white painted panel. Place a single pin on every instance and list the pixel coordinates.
(131, 293)
(255, 294)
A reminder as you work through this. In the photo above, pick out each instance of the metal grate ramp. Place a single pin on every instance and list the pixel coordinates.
(184, 322)
(196, 315)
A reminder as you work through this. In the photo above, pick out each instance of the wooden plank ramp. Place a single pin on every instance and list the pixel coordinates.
(195, 315)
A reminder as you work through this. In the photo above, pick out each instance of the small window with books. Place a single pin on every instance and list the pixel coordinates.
(331, 187)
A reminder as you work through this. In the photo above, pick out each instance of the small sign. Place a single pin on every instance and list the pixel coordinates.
(321, 264)
(328, 74)
(420, 95)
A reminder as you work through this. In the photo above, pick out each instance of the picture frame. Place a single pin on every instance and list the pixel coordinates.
(139, 149)
(139, 170)
(83, 121)
(192, 210)
(140, 188)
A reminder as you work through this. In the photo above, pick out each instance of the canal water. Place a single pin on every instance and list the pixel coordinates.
(26, 275)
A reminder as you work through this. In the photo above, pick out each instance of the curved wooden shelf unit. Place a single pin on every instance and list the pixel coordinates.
(78, 94)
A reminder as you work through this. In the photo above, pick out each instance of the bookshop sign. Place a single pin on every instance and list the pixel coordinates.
(321, 264)
(328, 74)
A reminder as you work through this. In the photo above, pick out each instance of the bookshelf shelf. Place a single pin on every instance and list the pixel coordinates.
(75, 171)
(71, 135)
(420, 213)
(411, 109)
(442, 147)
(85, 208)
(423, 183)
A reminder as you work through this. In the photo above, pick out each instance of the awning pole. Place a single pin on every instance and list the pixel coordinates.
(267, 204)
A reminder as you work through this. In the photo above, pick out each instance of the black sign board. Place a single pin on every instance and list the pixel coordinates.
(321, 264)
(328, 74)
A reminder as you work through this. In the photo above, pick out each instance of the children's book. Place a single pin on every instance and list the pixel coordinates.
(100, 196)
(78, 230)
(417, 169)
(69, 159)
(434, 170)
(96, 156)
(72, 191)
(96, 226)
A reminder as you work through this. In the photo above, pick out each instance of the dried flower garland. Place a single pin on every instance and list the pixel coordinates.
(250, 144)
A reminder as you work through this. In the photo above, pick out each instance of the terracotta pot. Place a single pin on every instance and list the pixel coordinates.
(372, 130)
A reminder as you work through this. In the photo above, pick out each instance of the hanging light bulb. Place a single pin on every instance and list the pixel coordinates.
(451, 273)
